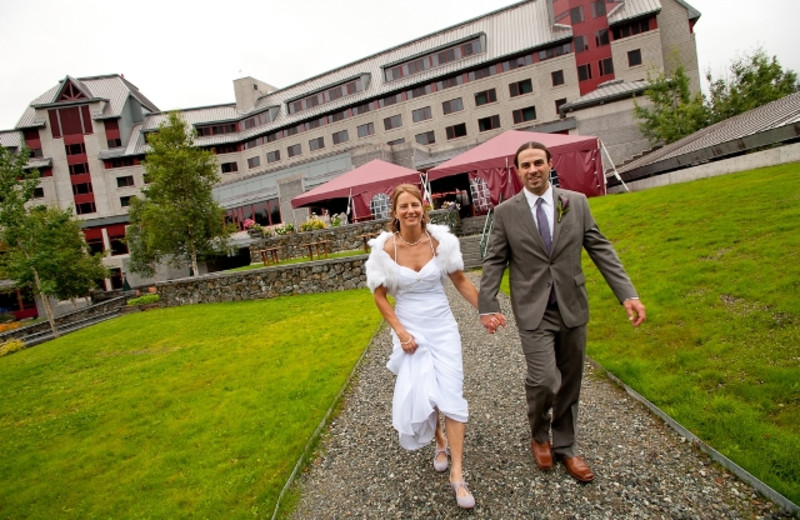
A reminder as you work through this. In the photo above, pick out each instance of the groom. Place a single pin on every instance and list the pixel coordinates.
(539, 234)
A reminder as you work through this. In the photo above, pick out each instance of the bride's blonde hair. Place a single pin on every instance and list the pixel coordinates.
(394, 224)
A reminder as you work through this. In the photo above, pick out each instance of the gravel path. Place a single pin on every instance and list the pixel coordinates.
(643, 470)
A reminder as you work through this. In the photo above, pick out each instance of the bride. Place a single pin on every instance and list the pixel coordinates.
(411, 263)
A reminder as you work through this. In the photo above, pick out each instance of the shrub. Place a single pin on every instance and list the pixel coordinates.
(285, 230)
(313, 223)
(9, 347)
(6, 317)
(145, 299)
(9, 326)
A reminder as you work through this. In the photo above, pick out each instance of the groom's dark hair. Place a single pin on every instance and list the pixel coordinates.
(535, 145)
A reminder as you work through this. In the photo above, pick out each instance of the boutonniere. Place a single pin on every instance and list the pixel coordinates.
(562, 206)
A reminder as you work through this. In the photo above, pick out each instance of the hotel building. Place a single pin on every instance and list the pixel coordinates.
(556, 66)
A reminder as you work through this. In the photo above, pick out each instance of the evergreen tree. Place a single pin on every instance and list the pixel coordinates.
(177, 218)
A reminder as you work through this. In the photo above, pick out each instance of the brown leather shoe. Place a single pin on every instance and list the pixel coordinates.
(542, 454)
(578, 469)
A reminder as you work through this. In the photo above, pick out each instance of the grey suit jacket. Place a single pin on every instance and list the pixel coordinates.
(515, 242)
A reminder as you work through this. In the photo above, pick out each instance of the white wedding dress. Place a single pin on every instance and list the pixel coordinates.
(432, 377)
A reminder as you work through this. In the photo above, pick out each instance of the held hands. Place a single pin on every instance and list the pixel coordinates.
(635, 310)
(492, 321)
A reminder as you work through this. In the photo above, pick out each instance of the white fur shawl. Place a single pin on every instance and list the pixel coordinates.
(382, 270)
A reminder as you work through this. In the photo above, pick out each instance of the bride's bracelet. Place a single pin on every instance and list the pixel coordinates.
(406, 342)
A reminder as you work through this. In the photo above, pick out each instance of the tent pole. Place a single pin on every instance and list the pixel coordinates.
(616, 173)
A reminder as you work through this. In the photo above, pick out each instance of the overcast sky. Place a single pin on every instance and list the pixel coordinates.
(183, 54)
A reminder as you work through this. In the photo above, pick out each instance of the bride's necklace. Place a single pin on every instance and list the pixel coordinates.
(412, 244)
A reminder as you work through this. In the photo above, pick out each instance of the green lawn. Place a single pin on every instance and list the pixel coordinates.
(187, 412)
(717, 264)
(298, 260)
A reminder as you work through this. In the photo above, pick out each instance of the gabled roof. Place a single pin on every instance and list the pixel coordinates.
(769, 124)
(112, 90)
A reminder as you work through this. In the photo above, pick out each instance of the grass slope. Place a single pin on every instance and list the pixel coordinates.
(717, 263)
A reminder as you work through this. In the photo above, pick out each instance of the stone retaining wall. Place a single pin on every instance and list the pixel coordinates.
(341, 238)
(311, 277)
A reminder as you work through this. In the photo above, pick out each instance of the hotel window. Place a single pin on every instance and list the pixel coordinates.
(78, 169)
(455, 131)
(316, 144)
(601, 38)
(38, 193)
(487, 96)
(580, 44)
(82, 188)
(560, 102)
(524, 114)
(584, 72)
(123, 182)
(634, 57)
(632, 28)
(453, 105)
(558, 77)
(393, 122)
(425, 138)
(125, 201)
(488, 123)
(520, 87)
(421, 114)
(75, 149)
(114, 143)
(576, 14)
(85, 207)
(434, 59)
(228, 128)
(366, 129)
(273, 156)
(598, 8)
(606, 66)
(229, 167)
(340, 137)
(294, 150)
(254, 162)
(224, 148)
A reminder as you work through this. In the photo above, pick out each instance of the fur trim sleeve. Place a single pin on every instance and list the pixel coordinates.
(381, 269)
(448, 254)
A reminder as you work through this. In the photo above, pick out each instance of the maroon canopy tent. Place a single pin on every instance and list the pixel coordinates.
(362, 184)
(576, 159)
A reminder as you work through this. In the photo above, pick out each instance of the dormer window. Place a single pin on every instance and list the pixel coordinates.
(442, 56)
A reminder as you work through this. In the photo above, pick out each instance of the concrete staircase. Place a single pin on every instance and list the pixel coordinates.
(470, 251)
(469, 234)
(46, 335)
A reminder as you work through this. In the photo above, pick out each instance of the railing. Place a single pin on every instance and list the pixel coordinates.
(487, 230)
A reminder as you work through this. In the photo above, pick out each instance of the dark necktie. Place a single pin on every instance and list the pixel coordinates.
(541, 221)
(544, 230)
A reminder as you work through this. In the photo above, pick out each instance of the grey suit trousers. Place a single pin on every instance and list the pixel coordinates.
(554, 357)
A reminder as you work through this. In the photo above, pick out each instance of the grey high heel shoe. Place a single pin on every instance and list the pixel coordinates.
(467, 502)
